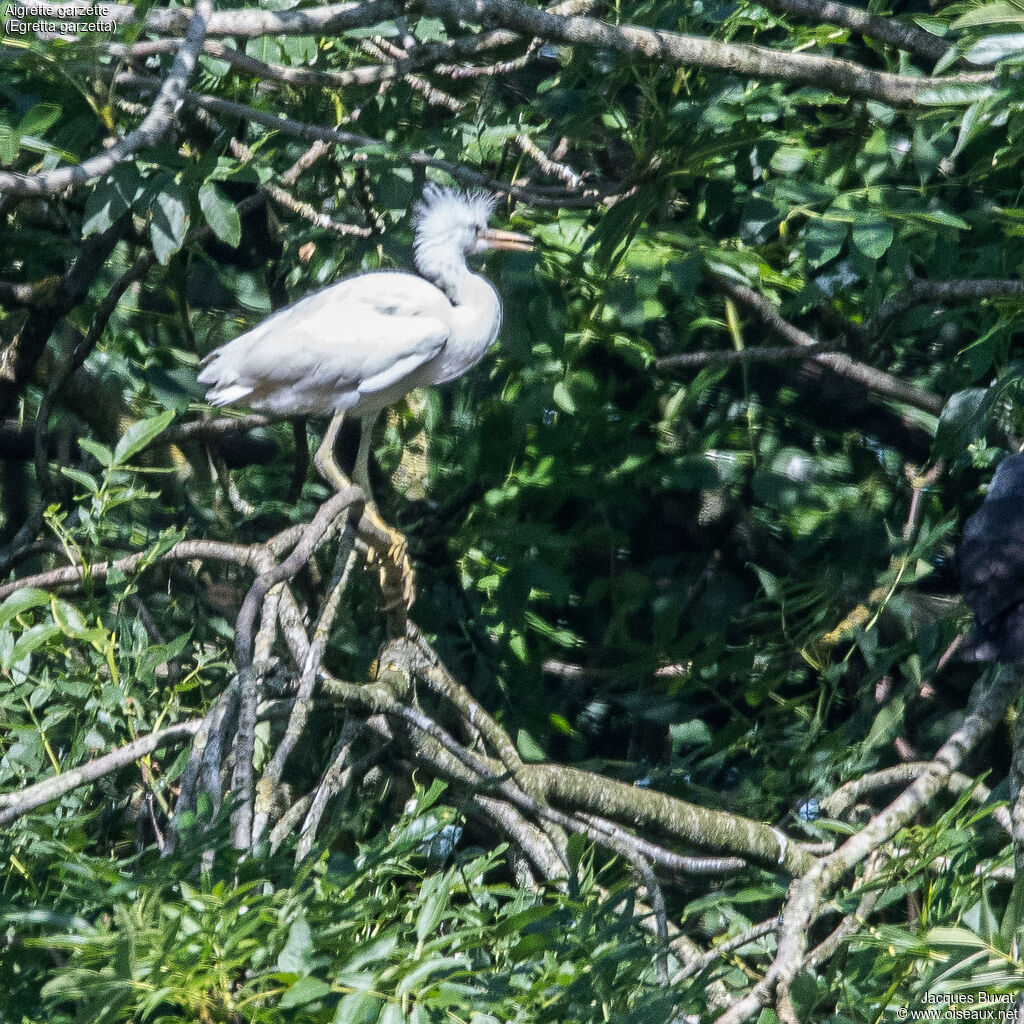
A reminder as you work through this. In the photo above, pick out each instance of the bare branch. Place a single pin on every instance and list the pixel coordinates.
(752, 934)
(242, 24)
(14, 805)
(886, 30)
(186, 550)
(950, 291)
(838, 802)
(381, 47)
(208, 427)
(312, 536)
(564, 198)
(344, 565)
(546, 164)
(296, 206)
(876, 381)
(988, 712)
(839, 76)
(726, 357)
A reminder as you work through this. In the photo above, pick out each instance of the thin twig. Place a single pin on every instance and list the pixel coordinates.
(876, 381)
(14, 805)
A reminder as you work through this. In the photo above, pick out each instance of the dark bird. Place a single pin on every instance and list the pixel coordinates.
(992, 568)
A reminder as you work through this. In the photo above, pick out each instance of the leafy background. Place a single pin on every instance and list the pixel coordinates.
(642, 569)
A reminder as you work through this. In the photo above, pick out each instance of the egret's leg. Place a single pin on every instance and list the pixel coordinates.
(361, 470)
(324, 460)
(398, 552)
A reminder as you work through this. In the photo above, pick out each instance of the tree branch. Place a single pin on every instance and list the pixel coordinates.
(242, 24)
(886, 30)
(839, 76)
(950, 291)
(19, 358)
(14, 805)
(154, 125)
(876, 381)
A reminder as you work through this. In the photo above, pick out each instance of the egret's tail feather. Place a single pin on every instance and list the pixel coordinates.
(227, 395)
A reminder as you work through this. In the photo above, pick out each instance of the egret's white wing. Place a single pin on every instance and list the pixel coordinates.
(322, 354)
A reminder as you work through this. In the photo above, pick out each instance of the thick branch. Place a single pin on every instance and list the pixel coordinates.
(18, 360)
(729, 356)
(704, 827)
(186, 550)
(952, 291)
(312, 536)
(839, 76)
(948, 758)
(242, 24)
(885, 30)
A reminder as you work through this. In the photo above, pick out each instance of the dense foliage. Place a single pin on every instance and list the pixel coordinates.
(645, 548)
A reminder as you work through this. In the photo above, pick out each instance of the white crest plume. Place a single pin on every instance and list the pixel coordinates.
(447, 204)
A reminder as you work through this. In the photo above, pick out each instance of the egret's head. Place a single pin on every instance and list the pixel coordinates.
(449, 221)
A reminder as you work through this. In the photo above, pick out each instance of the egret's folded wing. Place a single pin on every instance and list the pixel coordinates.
(322, 353)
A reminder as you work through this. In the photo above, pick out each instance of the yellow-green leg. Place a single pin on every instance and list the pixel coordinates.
(324, 460)
(327, 466)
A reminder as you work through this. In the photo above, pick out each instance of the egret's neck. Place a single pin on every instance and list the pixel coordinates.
(445, 266)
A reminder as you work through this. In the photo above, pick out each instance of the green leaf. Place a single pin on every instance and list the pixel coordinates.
(993, 12)
(956, 94)
(105, 204)
(305, 990)
(140, 434)
(529, 749)
(357, 1008)
(21, 601)
(823, 240)
(39, 119)
(421, 972)
(562, 397)
(169, 223)
(963, 420)
(955, 937)
(294, 958)
(32, 639)
(886, 724)
(221, 214)
(872, 236)
(435, 893)
(694, 733)
(995, 48)
(88, 482)
(9, 144)
(100, 452)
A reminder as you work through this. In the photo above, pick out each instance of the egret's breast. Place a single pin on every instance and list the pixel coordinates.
(476, 322)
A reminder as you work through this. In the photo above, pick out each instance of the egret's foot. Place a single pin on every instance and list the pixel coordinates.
(399, 592)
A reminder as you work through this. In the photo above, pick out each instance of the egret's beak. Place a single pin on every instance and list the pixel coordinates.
(492, 238)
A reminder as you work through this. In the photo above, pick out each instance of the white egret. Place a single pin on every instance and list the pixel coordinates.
(359, 345)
